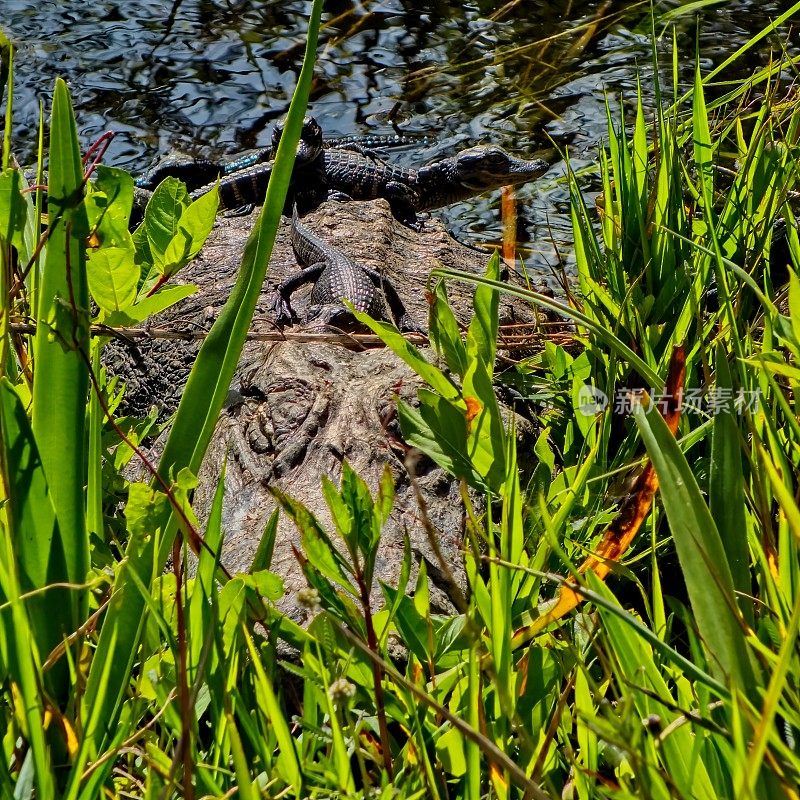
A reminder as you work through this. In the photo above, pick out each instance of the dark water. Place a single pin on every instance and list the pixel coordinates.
(207, 76)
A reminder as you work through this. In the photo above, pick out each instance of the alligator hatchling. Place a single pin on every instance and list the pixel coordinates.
(199, 173)
(336, 277)
(352, 172)
(347, 169)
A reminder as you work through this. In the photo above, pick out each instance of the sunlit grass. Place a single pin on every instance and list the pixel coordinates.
(630, 625)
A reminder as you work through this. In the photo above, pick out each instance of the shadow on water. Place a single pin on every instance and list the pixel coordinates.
(211, 76)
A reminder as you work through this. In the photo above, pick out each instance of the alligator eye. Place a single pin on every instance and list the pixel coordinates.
(496, 157)
(482, 157)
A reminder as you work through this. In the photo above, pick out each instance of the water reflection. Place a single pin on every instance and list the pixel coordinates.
(208, 76)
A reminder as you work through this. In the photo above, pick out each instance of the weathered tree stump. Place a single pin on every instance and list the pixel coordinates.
(298, 409)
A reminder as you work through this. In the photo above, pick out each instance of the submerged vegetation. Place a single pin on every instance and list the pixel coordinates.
(630, 625)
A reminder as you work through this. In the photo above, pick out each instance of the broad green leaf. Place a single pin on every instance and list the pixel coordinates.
(144, 509)
(411, 625)
(113, 277)
(150, 306)
(450, 749)
(193, 228)
(266, 583)
(108, 207)
(439, 429)
(385, 498)
(340, 513)
(162, 217)
(486, 438)
(365, 535)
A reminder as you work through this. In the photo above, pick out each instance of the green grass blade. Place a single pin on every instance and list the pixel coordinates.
(197, 414)
(94, 487)
(701, 554)
(7, 78)
(726, 489)
(777, 685)
(30, 529)
(640, 669)
(536, 298)
(26, 668)
(32, 520)
(61, 381)
(287, 755)
(244, 783)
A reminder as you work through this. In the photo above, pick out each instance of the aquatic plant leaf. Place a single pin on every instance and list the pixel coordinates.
(726, 487)
(62, 381)
(113, 277)
(147, 307)
(444, 332)
(701, 555)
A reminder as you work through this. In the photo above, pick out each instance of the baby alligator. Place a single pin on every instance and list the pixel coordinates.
(336, 278)
(197, 173)
(352, 172)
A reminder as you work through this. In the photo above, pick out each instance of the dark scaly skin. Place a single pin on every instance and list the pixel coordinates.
(336, 277)
(469, 173)
(349, 174)
(197, 173)
(352, 172)
(362, 144)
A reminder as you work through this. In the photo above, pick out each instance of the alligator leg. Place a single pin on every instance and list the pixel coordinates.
(281, 305)
(403, 202)
(401, 317)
